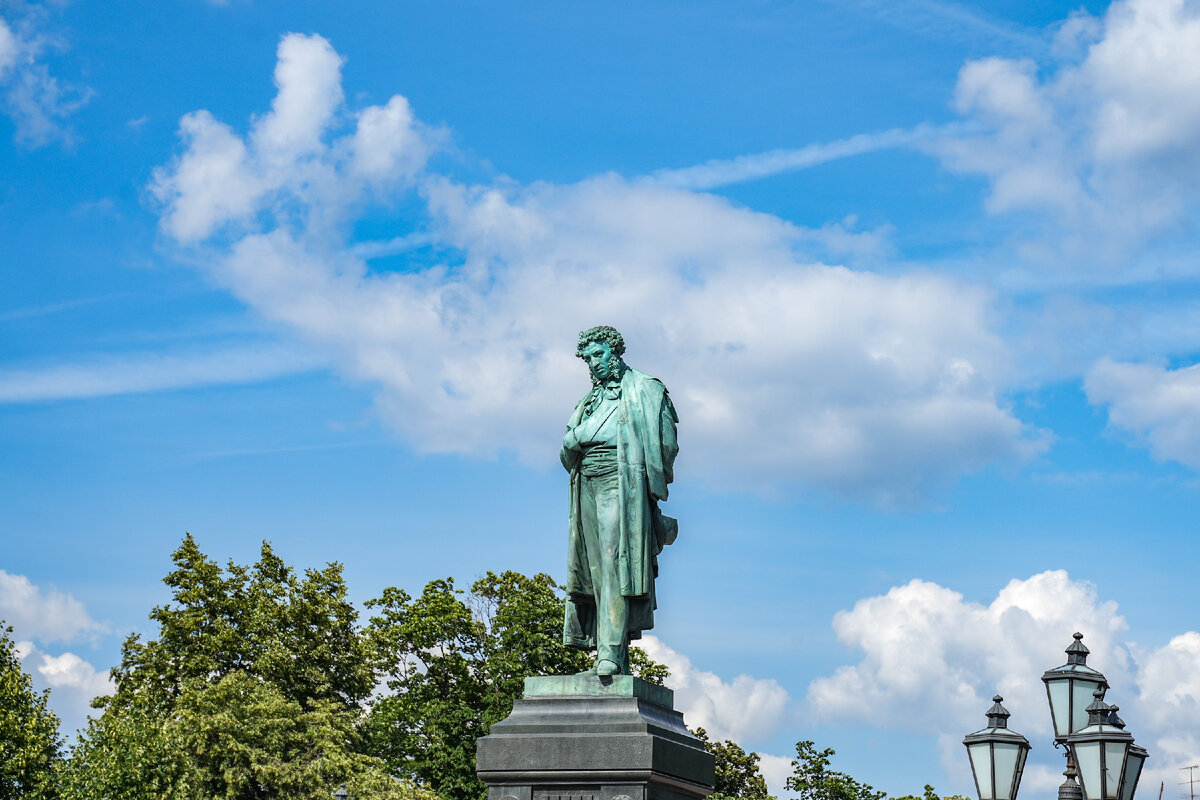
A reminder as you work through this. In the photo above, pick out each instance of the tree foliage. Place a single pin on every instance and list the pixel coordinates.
(297, 633)
(30, 748)
(455, 663)
(813, 779)
(256, 684)
(738, 773)
(931, 794)
(252, 689)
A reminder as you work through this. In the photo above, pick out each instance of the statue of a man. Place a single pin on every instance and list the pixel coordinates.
(620, 450)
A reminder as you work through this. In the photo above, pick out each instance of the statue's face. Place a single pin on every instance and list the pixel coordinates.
(601, 360)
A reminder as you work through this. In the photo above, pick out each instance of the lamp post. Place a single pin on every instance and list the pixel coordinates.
(997, 756)
(1108, 767)
(341, 793)
(1070, 688)
(1099, 749)
(1134, 761)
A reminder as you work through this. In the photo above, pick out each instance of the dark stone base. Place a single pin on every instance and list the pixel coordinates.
(582, 737)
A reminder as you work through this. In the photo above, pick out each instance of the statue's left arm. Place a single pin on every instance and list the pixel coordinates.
(668, 419)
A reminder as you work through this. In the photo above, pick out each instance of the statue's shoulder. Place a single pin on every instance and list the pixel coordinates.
(644, 382)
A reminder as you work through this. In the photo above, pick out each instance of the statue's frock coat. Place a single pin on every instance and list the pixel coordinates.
(646, 449)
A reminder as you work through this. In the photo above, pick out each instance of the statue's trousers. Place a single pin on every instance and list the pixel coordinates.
(600, 512)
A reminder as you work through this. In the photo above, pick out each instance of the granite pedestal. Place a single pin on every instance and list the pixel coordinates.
(583, 737)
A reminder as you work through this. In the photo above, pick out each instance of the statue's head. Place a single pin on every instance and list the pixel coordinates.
(602, 347)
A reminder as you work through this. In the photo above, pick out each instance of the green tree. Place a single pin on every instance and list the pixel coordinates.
(251, 689)
(813, 779)
(127, 753)
(298, 633)
(931, 794)
(455, 663)
(738, 773)
(30, 748)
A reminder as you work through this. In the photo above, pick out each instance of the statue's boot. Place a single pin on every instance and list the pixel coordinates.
(606, 667)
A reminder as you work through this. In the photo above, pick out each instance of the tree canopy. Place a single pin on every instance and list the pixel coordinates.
(813, 778)
(29, 740)
(253, 688)
(455, 662)
(737, 772)
(259, 682)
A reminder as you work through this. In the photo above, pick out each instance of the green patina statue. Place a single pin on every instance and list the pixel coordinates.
(620, 451)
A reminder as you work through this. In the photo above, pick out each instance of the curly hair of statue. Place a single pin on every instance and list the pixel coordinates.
(605, 334)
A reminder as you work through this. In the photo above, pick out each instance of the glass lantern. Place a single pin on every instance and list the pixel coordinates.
(997, 756)
(1070, 688)
(1101, 751)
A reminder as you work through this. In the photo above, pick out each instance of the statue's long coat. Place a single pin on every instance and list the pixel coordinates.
(646, 449)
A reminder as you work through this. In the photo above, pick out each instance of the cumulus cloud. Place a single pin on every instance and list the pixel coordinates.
(785, 370)
(37, 102)
(931, 661)
(1159, 407)
(286, 165)
(73, 683)
(45, 615)
(931, 656)
(1101, 143)
(746, 709)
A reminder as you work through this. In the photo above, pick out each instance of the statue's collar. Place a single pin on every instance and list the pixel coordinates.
(610, 388)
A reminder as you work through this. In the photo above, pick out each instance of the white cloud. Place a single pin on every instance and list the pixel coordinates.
(722, 172)
(131, 374)
(775, 771)
(72, 681)
(746, 709)
(285, 166)
(308, 76)
(1102, 145)
(1158, 406)
(9, 48)
(45, 615)
(785, 370)
(931, 661)
(932, 658)
(36, 100)
(70, 671)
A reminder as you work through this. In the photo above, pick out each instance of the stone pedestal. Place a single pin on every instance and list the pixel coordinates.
(582, 737)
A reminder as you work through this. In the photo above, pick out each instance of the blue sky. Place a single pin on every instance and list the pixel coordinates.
(919, 276)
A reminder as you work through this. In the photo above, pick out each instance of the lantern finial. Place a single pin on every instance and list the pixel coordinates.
(997, 715)
(1114, 720)
(1077, 651)
(1098, 711)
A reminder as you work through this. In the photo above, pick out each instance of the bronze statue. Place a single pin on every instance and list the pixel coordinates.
(619, 449)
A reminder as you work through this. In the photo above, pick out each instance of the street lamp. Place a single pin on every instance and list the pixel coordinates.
(341, 793)
(1099, 749)
(1070, 688)
(1134, 761)
(997, 756)
(1103, 753)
